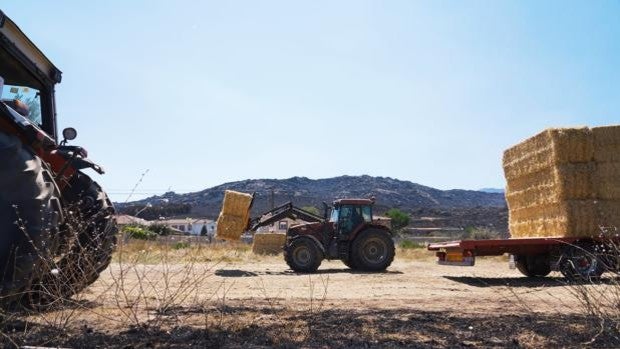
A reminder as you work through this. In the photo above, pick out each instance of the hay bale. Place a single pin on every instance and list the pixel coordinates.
(234, 216)
(606, 144)
(564, 182)
(268, 243)
(230, 227)
(547, 149)
(236, 203)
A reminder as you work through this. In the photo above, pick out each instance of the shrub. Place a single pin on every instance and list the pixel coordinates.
(140, 233)
(476, 233)
(399, 219)
(160, 229)
(408, 244)
(180, 245)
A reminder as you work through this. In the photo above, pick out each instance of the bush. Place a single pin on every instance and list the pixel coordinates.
(399, 219)
(475, 233)
(408, 244)
(140, 233)
(180, 245)
(160, 229)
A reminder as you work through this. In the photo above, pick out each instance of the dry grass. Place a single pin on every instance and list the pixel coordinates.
(162, 294)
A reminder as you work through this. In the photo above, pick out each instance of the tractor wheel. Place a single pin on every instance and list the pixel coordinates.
(303, 255)
(581, 263)
(29, 217)
(90, 218)
(372, 250)
(349, 263)
(533, 265)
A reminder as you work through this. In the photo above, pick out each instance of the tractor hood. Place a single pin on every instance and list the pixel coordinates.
(309, 228)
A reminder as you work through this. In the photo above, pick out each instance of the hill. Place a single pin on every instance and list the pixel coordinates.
(389, 193)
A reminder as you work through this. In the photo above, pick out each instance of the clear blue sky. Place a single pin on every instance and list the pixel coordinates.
(206, 92)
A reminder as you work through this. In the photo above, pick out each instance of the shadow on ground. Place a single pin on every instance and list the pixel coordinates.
(512, 282)
(245, 273)
(525, 281)
(264, 326)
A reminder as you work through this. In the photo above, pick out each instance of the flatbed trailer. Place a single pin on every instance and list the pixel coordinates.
(575, 257)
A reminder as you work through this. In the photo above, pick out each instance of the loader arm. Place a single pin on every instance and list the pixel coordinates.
(285, 211)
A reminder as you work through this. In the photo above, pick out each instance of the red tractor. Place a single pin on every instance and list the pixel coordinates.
(347, 232)
(57, 229)
(349, 235)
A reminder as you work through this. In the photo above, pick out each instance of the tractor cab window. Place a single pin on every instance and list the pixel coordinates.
(367, 213)
(30, 105)
(334, 215)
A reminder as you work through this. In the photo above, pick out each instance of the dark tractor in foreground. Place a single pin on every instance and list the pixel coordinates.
(348, 234)
(57, 230)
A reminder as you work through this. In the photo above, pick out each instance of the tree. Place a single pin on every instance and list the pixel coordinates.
(399, 219)
(203, 231)
(160, 229)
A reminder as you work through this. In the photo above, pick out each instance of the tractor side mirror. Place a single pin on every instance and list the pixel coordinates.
(68, 134)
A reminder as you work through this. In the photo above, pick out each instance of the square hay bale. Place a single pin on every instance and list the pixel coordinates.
(268, 243)
(606, 143)
(566, 219)
(547, 149)
(608, 180)
(552, 185)
(236, 203)
(564, 182)
(234, 216)
(230, 227)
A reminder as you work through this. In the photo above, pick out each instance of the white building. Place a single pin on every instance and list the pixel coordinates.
(191, 226)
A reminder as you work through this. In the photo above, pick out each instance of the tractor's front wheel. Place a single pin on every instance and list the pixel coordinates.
(303, 255)
(372, 250)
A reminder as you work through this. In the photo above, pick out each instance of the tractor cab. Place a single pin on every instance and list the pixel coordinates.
(349, 215)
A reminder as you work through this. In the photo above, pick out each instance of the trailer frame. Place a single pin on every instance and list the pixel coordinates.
(574, 257)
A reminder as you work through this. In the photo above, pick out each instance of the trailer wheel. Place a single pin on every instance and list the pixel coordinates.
(533, 265)
(581, 263)
(303, 255)
(372, 250)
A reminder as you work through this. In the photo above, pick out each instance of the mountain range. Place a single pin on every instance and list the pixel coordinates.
(302, 191)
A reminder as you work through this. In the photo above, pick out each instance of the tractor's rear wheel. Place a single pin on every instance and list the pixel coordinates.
(372, 250)
(533, 265)
(349, 263)
(303, 255)
(92, 222)
(29, 216)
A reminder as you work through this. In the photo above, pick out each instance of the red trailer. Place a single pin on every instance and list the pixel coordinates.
(575, 258)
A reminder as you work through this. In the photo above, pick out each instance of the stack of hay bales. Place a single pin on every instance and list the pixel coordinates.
(233, 219)
(564, 182)
(268, 243)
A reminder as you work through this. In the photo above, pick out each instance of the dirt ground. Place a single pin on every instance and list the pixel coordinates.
(247, 303)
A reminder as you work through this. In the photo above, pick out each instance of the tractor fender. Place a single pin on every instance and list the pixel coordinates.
(314, 239)
(370, 226)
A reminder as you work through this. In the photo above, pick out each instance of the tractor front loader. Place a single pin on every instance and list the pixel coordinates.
(347, 232)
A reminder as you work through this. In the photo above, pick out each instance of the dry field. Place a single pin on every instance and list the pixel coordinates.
(162, 295)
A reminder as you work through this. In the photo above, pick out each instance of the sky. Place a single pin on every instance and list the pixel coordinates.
(199, 93)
